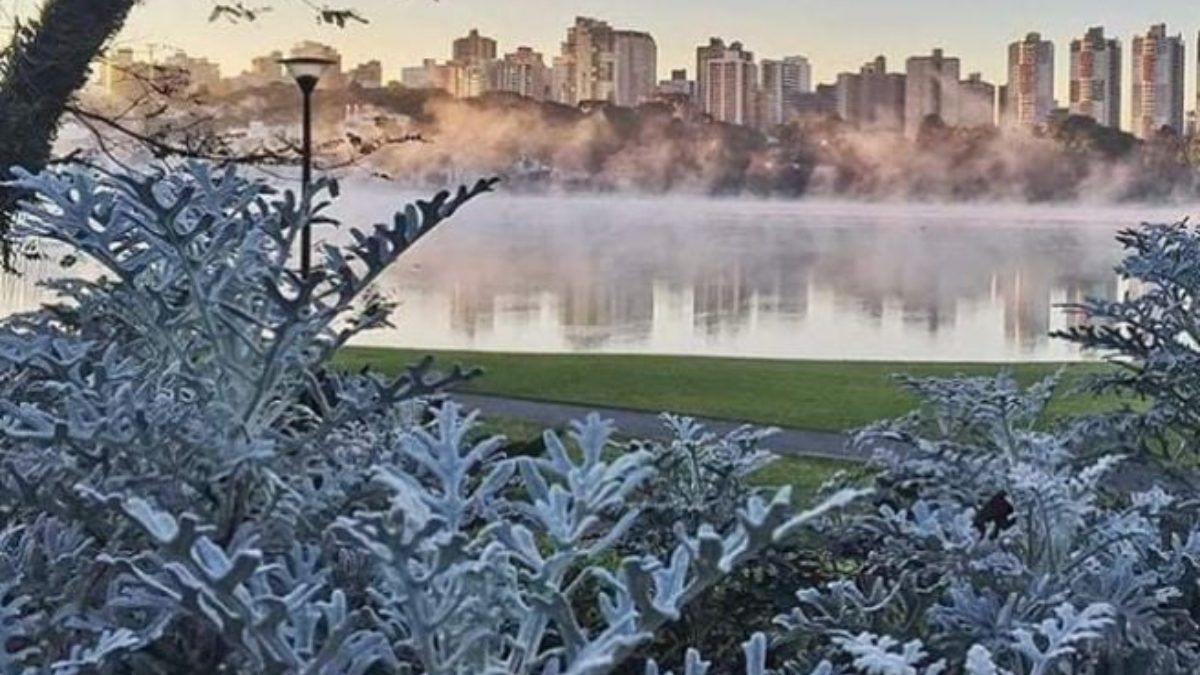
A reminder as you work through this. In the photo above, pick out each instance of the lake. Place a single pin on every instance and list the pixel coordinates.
(793, 280)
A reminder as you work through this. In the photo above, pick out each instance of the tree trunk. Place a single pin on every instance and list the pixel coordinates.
(48, 61)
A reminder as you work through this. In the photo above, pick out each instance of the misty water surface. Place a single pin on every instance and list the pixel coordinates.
(743, 278)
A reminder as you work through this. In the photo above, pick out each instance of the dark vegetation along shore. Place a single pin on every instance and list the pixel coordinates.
(660, 147)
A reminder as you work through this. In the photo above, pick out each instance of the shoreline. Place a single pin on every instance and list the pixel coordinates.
(419, 191)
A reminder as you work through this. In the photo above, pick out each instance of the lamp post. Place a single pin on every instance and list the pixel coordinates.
(307, 71)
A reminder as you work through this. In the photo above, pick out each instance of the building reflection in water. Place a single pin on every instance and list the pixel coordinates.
(768, 279)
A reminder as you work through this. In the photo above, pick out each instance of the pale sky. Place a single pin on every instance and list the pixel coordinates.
(836, 35)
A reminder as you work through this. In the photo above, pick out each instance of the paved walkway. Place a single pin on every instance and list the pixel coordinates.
(793, 442)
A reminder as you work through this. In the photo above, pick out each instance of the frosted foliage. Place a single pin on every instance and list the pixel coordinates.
(1153, 333)
(187, 486)
(998, 544)
(699, 477)
(1003, 540)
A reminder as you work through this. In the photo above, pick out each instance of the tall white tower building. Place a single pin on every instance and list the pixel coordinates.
(730, 83)
(1096, 78)
(599, 63)
(1030, 82)
(635, 67)
(1157, 82)
(931, 89)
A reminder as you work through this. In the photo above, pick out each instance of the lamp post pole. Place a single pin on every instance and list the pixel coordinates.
(307, 84)
(307, 72)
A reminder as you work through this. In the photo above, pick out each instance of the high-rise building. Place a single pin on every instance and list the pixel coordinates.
(130, 79)
(678, 86)
(267, 69)
(883, 96)
(473, 68)
(430, 75)
(783, 83)
(367, 75)
(931, 88)
(849, 97)
(264, 71)
(561, 90)
(771, 102)
(977, 104)
(1157, 82)
(730, 82)
(1096, 78)
(1030, 82)
(821, 102)
(419, 77)
(474, 48)
(599, 63)
(117, 67)
(714, 49)
(797, 75)
(635, 67)
(524, 72)
(200, 73)
(872, 97)
(472, 80)
(587, 57)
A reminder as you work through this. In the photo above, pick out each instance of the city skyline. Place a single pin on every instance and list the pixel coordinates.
(836, 38)
(600, 62)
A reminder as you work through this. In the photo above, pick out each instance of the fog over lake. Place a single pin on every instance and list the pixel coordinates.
(796, 280)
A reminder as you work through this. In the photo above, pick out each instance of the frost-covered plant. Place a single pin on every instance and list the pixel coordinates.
(198, 342)
(705, 477)
(699, 477)
(995, 546)
(754, 650)
(1152, 337)
(187, 375)
(187, 486)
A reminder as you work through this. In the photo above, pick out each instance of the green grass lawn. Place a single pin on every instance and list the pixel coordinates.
(805, 475)
(804, 394)
(823, 395)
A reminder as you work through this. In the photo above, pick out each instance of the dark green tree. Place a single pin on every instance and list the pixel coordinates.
(48, 60)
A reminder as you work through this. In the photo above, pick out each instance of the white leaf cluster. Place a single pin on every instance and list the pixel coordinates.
(998, 543)
(188, 483)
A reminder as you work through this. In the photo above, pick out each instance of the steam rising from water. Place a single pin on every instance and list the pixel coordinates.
(590, 152)
(756, 278)
(649, 151)
(737, 277)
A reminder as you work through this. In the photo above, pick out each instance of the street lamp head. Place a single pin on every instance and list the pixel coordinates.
(306, 70)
